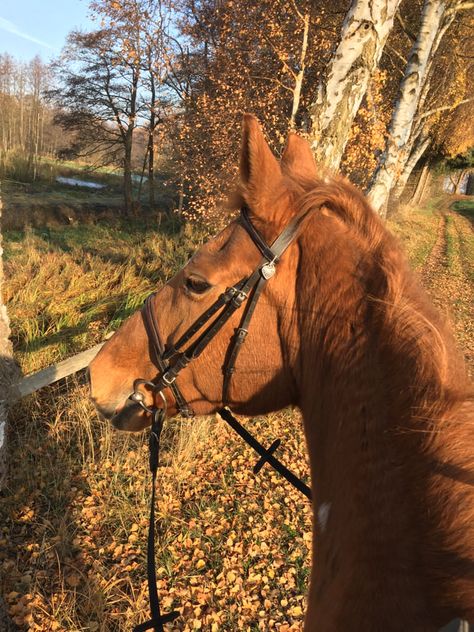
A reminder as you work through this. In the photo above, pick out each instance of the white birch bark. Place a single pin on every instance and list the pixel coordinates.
(420, 188)
(436, 18)
(298, 77)
(364, 34)
(419, 148)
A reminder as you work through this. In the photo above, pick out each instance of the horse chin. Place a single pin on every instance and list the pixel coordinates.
(131, 418)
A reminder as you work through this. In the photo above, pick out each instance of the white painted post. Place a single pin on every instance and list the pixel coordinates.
(8, 368)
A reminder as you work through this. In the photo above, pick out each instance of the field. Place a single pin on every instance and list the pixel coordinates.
(48, 201)
(233, 550)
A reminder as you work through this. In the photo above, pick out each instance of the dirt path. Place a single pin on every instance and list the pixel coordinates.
(447, 275)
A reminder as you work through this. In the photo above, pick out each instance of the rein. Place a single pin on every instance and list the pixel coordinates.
(172, 360)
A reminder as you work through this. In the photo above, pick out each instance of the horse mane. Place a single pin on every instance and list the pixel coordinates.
(415, 335)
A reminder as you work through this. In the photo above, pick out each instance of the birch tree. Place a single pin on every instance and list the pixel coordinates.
(404, 147)
(26, 128)
(364, 33)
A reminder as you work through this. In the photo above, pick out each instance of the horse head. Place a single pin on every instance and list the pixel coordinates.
(262, 379)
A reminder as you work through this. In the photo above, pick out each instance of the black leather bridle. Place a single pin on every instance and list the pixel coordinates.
(172, 360)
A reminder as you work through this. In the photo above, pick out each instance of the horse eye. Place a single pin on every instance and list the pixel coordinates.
(197, 286)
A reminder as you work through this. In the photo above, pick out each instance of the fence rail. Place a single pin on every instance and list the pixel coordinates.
(34, 381)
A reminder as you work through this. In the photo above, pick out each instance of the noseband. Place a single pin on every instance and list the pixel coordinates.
(172, 360)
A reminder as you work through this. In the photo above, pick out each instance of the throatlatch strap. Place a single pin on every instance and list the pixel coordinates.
(266, 455)
(239, 338)
(157, 619)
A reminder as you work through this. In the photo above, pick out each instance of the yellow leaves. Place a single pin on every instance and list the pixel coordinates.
(26, 514)
(231, 577)
(220, 556)
(296, 612)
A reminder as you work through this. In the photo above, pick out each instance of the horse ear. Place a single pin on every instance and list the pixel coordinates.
(260, 172)
(298, 159)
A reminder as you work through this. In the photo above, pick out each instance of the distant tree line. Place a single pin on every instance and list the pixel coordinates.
(27, 130)
(376, 86)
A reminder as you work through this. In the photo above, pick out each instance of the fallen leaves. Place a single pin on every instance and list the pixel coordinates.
(226, 540)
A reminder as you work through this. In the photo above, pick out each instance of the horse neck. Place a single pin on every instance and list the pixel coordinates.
(372, 343)
(376, 371)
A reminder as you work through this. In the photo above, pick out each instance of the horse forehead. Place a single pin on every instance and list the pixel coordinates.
(224, 247)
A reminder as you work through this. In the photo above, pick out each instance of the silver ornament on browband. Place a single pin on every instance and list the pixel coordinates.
(268, 270)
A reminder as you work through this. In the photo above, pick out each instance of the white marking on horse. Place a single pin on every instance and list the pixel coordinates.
(323, 515)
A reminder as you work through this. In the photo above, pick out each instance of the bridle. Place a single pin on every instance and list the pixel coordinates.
(172, 360)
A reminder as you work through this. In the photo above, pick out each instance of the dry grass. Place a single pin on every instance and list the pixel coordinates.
(68, 286)
(233, 550)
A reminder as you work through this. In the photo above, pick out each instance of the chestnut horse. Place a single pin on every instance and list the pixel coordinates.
(343, 331)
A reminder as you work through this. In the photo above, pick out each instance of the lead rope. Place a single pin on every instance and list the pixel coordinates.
(266, 456)
(157, 619)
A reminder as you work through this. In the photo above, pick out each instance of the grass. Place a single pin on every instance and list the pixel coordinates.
(417, 230)
(233, 551)
(68, 286)
(465, 207)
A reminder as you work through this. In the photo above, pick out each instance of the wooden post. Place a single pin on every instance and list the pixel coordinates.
(8, 369)
(420, 185)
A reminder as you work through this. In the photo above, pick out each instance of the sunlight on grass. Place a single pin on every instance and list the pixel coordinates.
(67, 287)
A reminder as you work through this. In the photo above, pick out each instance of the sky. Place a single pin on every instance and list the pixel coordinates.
(39, 27)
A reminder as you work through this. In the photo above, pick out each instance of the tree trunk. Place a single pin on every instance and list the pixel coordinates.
(396, 154)
(8, 369)
(151, 170)
(364, 33)
(127, 173)
(151, 146)
(417, 152)
(421, 185)
(462, 173)
(300, 75)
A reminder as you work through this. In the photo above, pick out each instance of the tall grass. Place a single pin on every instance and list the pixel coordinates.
(67, 287)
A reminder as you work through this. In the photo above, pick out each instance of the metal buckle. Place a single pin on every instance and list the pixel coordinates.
(235, 295)
(139, 398)
(238, 296)
(168, 381)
